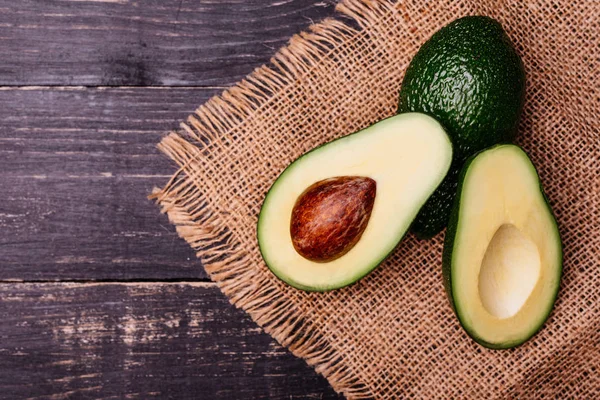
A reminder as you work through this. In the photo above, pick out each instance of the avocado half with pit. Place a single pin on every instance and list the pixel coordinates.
(338, 211)
(502, 259)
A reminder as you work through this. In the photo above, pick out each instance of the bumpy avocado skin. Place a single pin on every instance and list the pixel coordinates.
(470, 78)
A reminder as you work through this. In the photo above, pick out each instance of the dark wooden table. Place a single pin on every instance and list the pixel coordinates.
(99, 297)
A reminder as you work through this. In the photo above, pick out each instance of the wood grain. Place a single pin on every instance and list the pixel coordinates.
(82, 107)
(149, 43)
(77, 165)
(181, 341)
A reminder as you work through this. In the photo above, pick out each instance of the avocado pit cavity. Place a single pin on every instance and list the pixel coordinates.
(330, 216)
(509, 272)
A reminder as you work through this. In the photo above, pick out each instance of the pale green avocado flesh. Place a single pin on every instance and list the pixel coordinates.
(503, 253)
(407, 155)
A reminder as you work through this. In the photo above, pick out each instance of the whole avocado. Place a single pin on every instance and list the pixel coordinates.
(470, 78)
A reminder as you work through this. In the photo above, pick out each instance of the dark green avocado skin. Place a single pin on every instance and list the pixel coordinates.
(470, 78)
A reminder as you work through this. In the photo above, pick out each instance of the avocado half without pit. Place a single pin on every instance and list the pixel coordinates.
(338, 211)
(503, 253)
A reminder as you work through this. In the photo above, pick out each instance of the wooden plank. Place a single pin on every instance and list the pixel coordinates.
(154, 42)
(114, 341)
(77, 165)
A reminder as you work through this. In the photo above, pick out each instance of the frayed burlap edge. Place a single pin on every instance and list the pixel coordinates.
(225, 261)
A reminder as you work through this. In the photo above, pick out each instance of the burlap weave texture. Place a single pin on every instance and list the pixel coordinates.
(393, 334)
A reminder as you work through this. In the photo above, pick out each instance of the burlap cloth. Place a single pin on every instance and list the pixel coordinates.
(393, 334)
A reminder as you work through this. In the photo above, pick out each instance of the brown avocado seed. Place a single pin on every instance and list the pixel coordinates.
(330, 216)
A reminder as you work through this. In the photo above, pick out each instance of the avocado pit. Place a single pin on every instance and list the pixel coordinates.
(330, 216)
